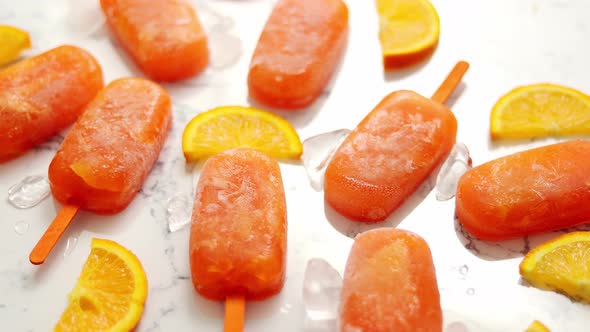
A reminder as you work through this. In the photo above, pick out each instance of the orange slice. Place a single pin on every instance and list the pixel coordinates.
(540, 110)
(110, 292)
(408, 31)
(561, 265)
(537, 326)
(13, 41)
(228, 127)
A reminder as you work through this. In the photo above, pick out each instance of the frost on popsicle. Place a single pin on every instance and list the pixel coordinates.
(317, 153)
(321, 295)
(458, 162)
(29, 192)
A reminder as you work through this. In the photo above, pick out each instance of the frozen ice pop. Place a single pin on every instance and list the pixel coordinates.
(390, 284)
(298, 51)
(532, 191)
(106, 156)
(238, 238)
(44, 94)
(391, 152)
(163, 37)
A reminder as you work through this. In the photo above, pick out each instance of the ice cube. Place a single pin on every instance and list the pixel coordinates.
(224, 47)
(86, 19)
(178, 212)
(321, 295)
(29, 192)
(458, 162)
(211, 18)
(318, 150)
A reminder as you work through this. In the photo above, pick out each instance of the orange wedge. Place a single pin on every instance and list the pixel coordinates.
(110, 292)
(540, 110)
(229, 127)
(561, 265)
(537, 326)
(13, 41)
(408, 31)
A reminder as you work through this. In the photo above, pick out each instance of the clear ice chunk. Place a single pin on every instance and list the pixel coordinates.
(225, 48)
(211, 18)
(21, 227)
(321, 296)
(457, 163)
(29, 192)
(178, 212)
(318, 150)
(86, 19)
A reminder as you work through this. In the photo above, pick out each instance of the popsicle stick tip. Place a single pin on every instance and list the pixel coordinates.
(463, 63)
(235, 307)
(36, 260)
(448, 86)
(52, 234)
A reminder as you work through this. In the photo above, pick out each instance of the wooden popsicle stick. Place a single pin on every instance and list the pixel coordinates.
(53, 233)
(445, 90)
(235, 307)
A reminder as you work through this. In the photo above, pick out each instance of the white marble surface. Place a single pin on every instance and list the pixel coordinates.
(507, 43)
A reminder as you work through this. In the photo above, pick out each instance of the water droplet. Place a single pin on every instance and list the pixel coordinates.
(470, 291)
(70, 245)
(456, 327)
(225, 49)
(285, 308)
(321, 295)
(464, 269)
(318, 150)
(21, 227)
(29, 192)
(458, 162)
(178, 212)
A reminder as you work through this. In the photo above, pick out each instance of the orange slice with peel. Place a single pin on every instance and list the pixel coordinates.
(408, 31)
(540, 110)
(228, 127)
(110, 292)
(537, 326)
(561, 265)
(13, 41)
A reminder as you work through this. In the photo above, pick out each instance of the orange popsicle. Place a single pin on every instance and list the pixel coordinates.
(42, 95)
(391, 152)
(105, 158)
(390, 284)
(238, 240)
(164, 37)
(532, 191)
(107, 154)
(298, 51)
